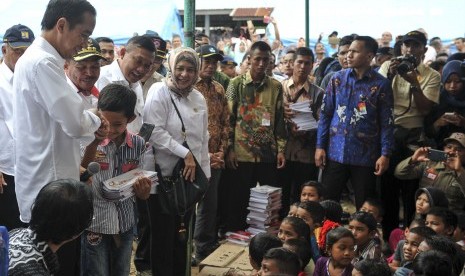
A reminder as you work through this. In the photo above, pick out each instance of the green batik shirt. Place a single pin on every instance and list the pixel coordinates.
(257, 128)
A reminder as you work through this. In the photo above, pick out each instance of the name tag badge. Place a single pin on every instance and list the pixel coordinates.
(266, 119)
(432, 176)
(362, 108)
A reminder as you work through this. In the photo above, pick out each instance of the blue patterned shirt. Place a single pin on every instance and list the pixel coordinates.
(356, 120)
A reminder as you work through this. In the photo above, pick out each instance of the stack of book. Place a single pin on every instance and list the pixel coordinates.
(264, 206)
(120, 187)
(239, 237)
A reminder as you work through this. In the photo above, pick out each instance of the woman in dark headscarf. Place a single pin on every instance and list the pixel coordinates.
(168, 249)
(449, 115)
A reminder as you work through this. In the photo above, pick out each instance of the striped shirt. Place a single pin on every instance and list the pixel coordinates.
(114, 217)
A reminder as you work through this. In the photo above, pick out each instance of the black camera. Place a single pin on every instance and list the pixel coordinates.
(407, 64)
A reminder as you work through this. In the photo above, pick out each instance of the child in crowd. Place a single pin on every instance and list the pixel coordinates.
(432, 263)
(367, 246)
(370, 267)
(301, 248)
(258, 246)
(313, 214)
(398, 258)
(280, 261)
(340, 245)
(333, 210)
(112, 227)
(294, 228)
(374, 207)
(444, 245)
(412, 240)
(459, 233)
(427, 198)
(443, 221)
(311, 191)
(293, 209)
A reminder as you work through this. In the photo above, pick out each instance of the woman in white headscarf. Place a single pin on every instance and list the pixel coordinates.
(168, 249)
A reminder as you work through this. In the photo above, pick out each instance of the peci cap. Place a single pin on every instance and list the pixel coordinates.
(92, 50)
(416, 36)
(205, 51)
(18, 36)
(389, 51)
(227, 60)
(457, 137)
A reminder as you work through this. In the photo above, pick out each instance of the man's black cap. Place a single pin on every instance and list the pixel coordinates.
(388, 51)
(415, 36)
(92, 50)
(159, 43)
(227, 60)
(18, 36)
(205, 51)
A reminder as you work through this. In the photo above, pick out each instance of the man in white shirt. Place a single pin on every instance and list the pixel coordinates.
(16, 40)
(136, 61)
(83, 70)
(49, 117)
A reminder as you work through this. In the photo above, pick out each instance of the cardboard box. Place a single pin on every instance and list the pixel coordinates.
(225, 257)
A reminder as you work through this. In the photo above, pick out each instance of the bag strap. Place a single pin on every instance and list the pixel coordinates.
(183, 129)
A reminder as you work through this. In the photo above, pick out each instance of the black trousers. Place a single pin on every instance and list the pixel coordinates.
(245, 177)
(336, 175)
(168, 253)
(392, 188)
(142, 256)
(9, 211)
(291, 178)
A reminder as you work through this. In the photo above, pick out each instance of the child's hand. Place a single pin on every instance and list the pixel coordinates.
(142, 188)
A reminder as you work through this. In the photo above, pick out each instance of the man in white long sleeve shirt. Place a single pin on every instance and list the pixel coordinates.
(135, 62)
(16, 40)
(49, 117)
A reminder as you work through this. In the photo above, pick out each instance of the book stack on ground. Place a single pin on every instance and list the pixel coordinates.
(120, 187)
(239, 237)
(264, 206)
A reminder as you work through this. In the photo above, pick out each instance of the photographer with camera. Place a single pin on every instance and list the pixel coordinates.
(440, 169)
(416, 90)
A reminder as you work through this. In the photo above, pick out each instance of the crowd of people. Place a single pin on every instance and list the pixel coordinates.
(388, 125)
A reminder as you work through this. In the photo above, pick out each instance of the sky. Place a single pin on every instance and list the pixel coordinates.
(121, 18)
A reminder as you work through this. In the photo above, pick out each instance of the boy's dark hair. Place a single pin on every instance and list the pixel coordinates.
(303, 251)
(300, 227)
(442, 244)
(333, 210)
(423, 231)
(62, 210)
(371, 267)
(346, 40)
(143, 42)
(370, 43)
(376, 203)
(117, 98)
(261, 46)
(304, 51)
(418, 222)
(288, 262)
(336, 234)
(432, 263)
(319, 188)
(366, 218)
(460, 219)
(260, 244)
(175, 36)
(72, 10)
(315, 210)
(448, 217)
(104, 39)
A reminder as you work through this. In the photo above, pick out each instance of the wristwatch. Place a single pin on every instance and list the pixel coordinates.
(414, 88)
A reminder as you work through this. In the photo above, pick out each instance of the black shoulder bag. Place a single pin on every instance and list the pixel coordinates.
(178, 196)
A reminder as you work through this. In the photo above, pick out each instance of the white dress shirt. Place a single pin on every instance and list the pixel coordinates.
(166, 137)
(49, 121)
(112, 74)
(89, 102)
(7, 160)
